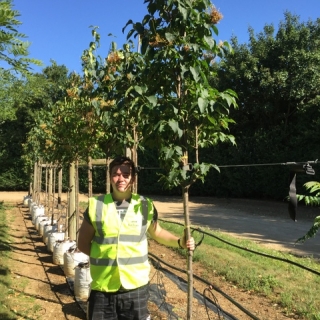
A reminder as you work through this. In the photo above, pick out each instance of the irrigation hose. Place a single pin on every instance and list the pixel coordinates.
(211, 286)
(249, 250)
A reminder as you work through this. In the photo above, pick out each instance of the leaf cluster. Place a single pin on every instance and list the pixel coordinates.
(160, 96)
(313, 199)
(184, 112)
(13, 47)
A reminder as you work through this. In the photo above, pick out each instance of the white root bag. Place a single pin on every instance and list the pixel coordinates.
(82, 281)
(32, 208)
(37, 211)
(39, 219)
(31, 205)
(53, 238)
(59, 249)
(26, 200)
(42, 223)
(71, 259)
(47, 230)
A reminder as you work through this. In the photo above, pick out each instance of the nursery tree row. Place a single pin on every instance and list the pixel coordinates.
(276, 77)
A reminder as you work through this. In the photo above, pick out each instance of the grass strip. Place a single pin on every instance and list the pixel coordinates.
(292, 287)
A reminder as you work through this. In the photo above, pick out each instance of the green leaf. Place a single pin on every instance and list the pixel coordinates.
(167, 152)
(203, 104)
(212, 120)
(184, 12)
(146, 19)
(130, 33)
(128, 91)
(153, 100)
(129, 22)
(175, 127)
(210, 41)
(138, 89)
(195, 72)
(170, 37)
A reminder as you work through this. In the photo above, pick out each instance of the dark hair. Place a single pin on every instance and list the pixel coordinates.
(119, 160)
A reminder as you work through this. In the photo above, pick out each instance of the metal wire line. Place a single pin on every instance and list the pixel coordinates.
(290, 163)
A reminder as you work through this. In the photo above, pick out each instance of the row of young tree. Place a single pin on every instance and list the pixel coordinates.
(276, 77)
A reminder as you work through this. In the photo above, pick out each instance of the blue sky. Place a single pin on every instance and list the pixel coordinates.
(59, 29)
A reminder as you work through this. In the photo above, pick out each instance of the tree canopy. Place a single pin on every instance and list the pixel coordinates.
(277, 79)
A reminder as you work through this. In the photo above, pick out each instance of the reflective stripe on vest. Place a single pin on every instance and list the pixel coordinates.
(123, 261)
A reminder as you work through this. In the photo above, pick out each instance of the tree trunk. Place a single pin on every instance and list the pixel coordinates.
(77, 199)
(135, 159)
(197, 145)
(46, 188)
(40, 180)
(35, 171)
(89, 177)
(59, 188)
(107, 175)
(185, 194)
(53, 173)
(50, 184)
(72, 202)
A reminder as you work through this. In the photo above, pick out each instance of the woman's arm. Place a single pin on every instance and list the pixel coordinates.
(86, 234)
(167, 238)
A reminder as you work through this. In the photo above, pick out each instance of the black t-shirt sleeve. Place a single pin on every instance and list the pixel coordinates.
(86, 216)
(155, 214)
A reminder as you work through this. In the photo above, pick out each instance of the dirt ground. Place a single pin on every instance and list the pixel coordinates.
(33, 273)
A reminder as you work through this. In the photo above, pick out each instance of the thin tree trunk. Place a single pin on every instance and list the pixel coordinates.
(107, 175)
(135, 159)
(35, 171)
(89, 177)
(46, 189)
(53, 171)
(77, 199)
(185, 195)
(197, 145)
(40, 180)
(72, 200)
(59, 188)
(50, 184)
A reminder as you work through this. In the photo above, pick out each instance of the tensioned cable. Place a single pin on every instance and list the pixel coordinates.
(290, 163)
(268, 164)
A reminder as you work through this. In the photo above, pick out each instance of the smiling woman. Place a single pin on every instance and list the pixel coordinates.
(114, 233)
(122, 173)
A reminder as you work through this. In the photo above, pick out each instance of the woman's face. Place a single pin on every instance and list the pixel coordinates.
(121, 178)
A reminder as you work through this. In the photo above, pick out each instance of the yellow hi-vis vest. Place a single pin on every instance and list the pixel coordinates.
(119, 249)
